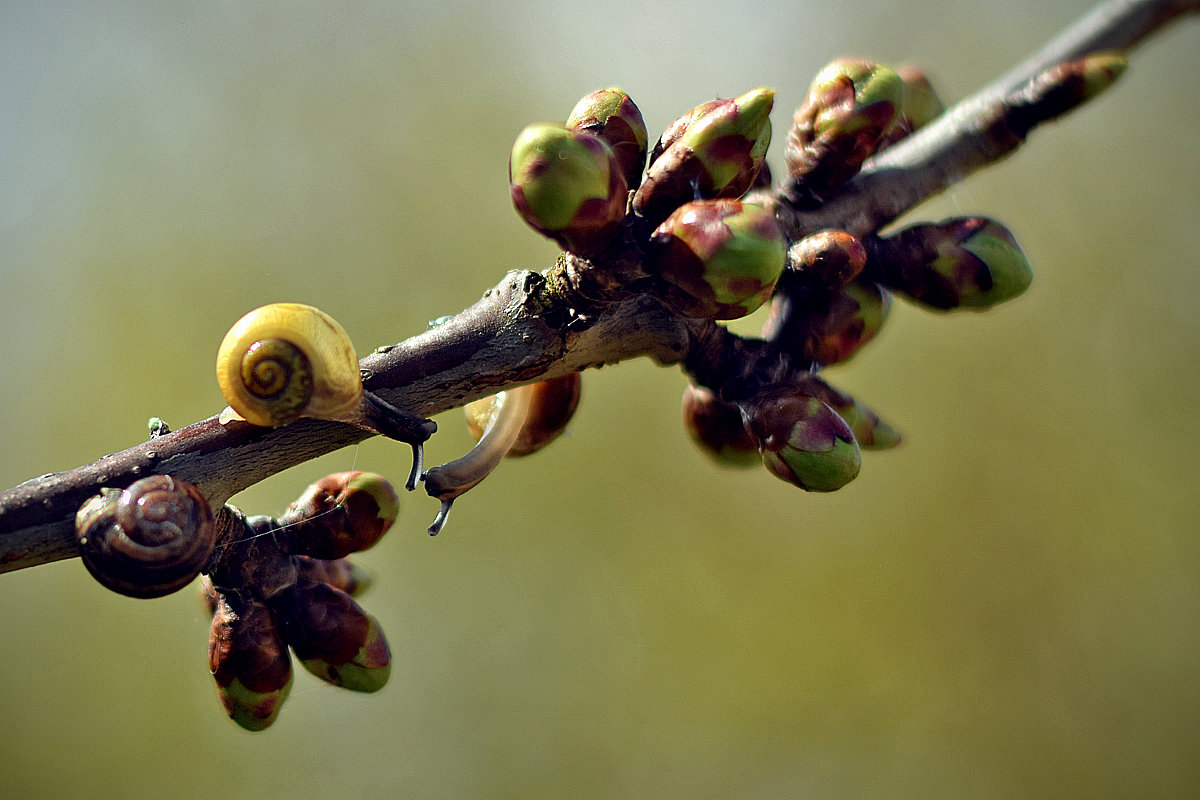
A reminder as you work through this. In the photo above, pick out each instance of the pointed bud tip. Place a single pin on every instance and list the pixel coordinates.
(1101, 70)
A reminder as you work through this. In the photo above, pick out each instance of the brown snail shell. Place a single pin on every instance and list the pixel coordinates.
(147, 540)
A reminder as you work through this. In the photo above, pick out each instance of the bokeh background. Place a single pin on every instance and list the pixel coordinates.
(1008, 605)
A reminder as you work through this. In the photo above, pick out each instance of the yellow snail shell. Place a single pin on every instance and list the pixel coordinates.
(284, 361)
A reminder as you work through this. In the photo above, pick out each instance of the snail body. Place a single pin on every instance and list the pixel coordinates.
(450, 480)
(284, 361)
(147, 540)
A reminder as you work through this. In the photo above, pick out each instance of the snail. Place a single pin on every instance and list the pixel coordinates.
(285, 361)
(451, 480)
(147, 540)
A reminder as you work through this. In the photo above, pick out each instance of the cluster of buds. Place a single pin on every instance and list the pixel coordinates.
(836, 290)
(711, 255)
(287, 583)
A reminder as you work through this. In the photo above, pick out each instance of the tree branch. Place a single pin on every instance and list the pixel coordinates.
(576, 315)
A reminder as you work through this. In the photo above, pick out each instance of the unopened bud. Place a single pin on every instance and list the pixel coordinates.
(568, 186)
(341, 514)
(610, 115)
(871, 432)
(851, 106)
(713, 153)
(829, 259)
(962, 262)
(335, 639)
(920, 107)
(828, 327)
(249, 662)
(340, 573)
(552, 403)
(717, 429)
(720, 258)
(804, 441)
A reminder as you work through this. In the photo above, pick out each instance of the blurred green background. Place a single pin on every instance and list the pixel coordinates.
(1008, 605)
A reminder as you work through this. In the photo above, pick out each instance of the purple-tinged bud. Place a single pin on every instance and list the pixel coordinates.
(851, 106)
(552, 403)
(962, 262)
(334, 638)
(823, 327)
(720, 258)
(714, 152)
(340, 573)
(718, 430)
(828, 259)
(249, 662)
(610, 115)
(871, 432)
(804, 441)
(568, 186)
(921, 105)
(341, 514)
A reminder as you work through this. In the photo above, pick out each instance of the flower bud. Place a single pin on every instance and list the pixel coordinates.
(871, 432)
(828, 259)
(335, 639)
(804, 441)
(680, 126)
(823, 327)
(341, 514)
(720, 258)
(340, 573)
(610, 115)
(717, 152)
(1062, 87)
(249, 662)
(850, 106)
(962, 262)
(568, 186)
(552, 403)
(920, 107)
(717, 429)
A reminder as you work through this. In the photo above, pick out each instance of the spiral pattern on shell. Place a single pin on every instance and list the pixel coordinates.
(279, 374)
(284, 361)
(148, 540)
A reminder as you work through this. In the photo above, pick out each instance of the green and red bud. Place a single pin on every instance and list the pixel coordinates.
(804, 441)
(612, 116)
(717, 429)
(249, 661)
(568, 185)
(962, 262)
(552, 403)
(720, 259)
(824, 327)
(1068, 85)
(714, 151)
(921, 105)
(335, 639)
(850, 107)
(828, 259)
(341, 514)
(871, 432)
